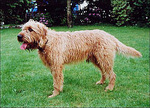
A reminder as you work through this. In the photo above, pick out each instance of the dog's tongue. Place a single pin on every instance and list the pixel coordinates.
(23, 46)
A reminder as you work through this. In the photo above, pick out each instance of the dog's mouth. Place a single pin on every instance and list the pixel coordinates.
(28, 46)
(24, 46)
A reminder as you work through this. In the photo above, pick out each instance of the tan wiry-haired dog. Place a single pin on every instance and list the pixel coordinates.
(59, 48)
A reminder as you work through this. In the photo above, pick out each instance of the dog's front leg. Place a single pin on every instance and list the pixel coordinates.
(58, 79)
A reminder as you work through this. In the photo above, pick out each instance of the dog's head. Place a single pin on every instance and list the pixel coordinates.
(33, 35)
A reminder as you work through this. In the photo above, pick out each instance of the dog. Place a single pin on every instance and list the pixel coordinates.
(59, 48)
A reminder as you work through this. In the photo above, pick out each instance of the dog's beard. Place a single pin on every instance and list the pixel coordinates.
(28, 46)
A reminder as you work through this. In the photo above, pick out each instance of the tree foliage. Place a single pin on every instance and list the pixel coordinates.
(121, 12)
(57, 10)
(13, 11)
(133, 12)
(97, 11)
(118, 12)
(140, 14)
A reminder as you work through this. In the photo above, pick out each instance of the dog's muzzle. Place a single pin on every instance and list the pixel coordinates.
(20, 38)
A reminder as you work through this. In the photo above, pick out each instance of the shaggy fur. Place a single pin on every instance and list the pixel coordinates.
(59, 48)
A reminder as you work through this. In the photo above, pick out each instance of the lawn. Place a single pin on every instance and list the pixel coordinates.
(26, 82)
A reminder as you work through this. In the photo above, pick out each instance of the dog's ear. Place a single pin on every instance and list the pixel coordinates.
(43, 29)
(43, 32)
(42, 42)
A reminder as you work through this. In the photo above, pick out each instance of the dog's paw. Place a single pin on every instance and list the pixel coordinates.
(109, 88)
(55, 93)
(100, 82)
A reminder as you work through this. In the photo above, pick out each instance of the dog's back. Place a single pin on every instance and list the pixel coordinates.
(79, 45)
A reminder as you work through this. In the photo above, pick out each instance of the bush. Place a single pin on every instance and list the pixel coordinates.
(44, 18)
(2, 16)
(121, 11)
(140, 14)
(14, 10)
(97, 11)
(131, 12)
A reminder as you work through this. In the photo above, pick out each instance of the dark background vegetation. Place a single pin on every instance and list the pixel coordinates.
(120, 13)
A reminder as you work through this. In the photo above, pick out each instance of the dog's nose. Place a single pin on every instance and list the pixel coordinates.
(20, 37)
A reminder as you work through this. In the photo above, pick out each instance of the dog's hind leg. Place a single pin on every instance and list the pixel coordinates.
(112, 78)
(95, 62)
(105, 62)
(58, 79)
(102, 79)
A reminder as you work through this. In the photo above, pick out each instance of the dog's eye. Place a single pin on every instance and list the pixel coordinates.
(30, 29)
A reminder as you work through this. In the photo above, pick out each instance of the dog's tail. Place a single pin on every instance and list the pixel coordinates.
(126, 50)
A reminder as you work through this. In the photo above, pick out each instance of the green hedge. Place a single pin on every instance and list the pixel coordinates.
(13, 11)
(133, 12)
(123, 12)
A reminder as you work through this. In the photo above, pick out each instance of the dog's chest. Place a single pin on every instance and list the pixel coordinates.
(45, 58)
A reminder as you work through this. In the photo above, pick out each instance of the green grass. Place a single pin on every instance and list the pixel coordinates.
(26, 82)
